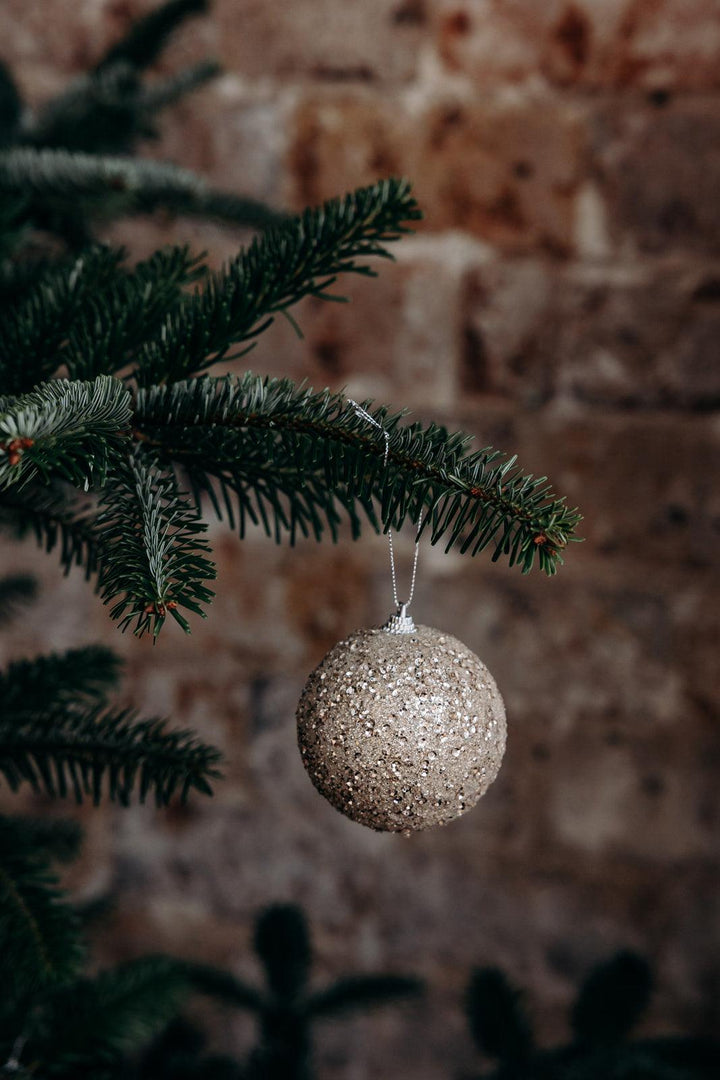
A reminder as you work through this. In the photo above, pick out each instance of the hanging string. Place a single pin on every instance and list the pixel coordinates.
(400, 605)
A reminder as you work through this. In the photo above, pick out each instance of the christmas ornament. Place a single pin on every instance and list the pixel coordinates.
(401, 727)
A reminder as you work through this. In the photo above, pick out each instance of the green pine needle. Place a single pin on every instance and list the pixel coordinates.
(292, 459)
(93, 1023)
(76, 677)
(154, 559)
(301, 258)
(89, 752)
(63, 429)
(38, 929)
(58, 519)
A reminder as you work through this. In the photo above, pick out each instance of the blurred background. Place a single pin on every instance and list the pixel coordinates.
(561, 300)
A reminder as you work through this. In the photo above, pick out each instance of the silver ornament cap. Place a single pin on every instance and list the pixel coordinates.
(401, 727)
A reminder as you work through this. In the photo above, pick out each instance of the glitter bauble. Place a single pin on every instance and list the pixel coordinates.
(401, 731)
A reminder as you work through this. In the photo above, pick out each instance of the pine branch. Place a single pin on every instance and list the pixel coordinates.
(66, 429)
(163, 92)
(55, 839)
(10, 106)
(282, 942)
(89, 751)
(59, 176)
(15, 591)
(497, 1018)
(116, 319)
(612, 999)
(76, 678)
(362, 992)
(91, 1024)
(65, 189)
(35, 329)
(107, 111)
(155, 557)
(223, 986)
(38, 930)
(56, 520)
(147, 36)
(297, 259)
(98, 113)
(291, 457)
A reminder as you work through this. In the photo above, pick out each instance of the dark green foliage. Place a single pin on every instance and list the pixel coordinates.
(39, 944)
(282, 942)
(76, 677)
(180, 1054)
(301, 258)
(64, 191)
(57, 518)
(10, 106)
(91, 1024)
(263, 451)
(612, 1000)
(60, 735)
(38, 323)
(286, 1009)
(609, 1004)
(153, 550)
(325, 459)
(89, 752)
(51, 173)
(497, 1018)
(147, 36)
(67, 430)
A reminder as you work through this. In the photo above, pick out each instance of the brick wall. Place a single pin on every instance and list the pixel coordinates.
(561, 300)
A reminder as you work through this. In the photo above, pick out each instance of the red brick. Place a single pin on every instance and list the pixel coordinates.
(320, 39)
(660, 169)
(617, 334)
(657, 45)
(506, 171)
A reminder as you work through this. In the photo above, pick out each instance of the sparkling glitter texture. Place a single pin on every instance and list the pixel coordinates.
(401, 732)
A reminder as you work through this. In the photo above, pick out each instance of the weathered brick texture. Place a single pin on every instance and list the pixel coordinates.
(561, 300)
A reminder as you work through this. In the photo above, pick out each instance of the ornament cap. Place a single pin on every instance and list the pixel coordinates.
(400, 622)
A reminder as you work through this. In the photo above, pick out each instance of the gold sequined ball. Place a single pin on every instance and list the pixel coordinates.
(401, 731)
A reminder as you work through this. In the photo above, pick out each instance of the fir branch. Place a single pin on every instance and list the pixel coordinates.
(297, 259)
(75, 678)
(15, 591)
(35, 329)
(361, 992)
(66, 429)
(163, 92)
(223, 986)
(89, 751)
(63, 189)
(90, 1025)
(291, 456)
(114, 184)
(498, 1021)
(38, 929)
(56, 839)
(116, 319)
(612, 999)
(10, 106)
(96, 114)
(154, 557)
(56, 520)
(147, 36)
(282, 943)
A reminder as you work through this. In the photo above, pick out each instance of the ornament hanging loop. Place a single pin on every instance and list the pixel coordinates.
(401, 622)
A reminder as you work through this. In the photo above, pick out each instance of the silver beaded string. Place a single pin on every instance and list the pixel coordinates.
(399, 605)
